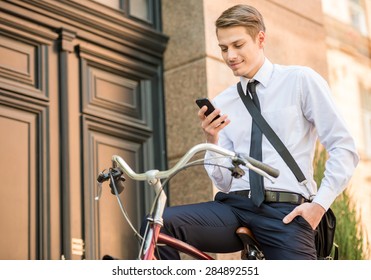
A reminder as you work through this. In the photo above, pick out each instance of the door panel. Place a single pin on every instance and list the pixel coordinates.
(107, 232)
(18, 188)
(116, 110)
(115, 237)
(25, 123)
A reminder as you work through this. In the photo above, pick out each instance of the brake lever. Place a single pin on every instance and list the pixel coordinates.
(237, 171)
(99, 191)
(102, 177)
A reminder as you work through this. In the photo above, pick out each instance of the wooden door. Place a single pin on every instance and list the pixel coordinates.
(79, 82)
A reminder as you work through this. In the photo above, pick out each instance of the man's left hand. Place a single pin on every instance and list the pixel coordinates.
(312, 212)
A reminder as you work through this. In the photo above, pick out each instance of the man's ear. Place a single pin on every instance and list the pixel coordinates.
(261, 38)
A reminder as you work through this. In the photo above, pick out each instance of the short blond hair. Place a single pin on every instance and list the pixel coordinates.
(242, 15)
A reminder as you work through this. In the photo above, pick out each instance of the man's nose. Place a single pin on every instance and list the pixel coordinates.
(231, 55)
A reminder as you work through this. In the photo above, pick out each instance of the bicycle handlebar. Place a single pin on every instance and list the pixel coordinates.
(253, 164)
(265, 167)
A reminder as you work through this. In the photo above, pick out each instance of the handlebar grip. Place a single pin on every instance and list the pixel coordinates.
(265, 167)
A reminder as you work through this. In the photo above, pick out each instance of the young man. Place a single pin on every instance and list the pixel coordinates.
(297, 104)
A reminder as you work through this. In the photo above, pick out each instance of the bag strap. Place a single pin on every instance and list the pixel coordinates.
(271, 136)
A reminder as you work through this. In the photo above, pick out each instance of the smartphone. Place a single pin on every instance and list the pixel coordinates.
(210, 107)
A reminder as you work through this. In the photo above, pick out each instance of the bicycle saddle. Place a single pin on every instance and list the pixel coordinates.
(252, 249)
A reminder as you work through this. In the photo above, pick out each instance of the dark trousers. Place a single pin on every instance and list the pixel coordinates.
(211, 227)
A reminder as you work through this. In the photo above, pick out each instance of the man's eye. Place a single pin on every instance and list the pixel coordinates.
(239, 46)
(223, 49)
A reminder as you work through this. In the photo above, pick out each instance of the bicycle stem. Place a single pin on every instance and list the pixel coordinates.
(157, 220)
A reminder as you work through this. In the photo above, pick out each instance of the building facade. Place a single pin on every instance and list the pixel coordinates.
(348, 40)
(81, 80)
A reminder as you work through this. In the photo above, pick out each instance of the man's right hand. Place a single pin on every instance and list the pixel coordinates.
(211, 129)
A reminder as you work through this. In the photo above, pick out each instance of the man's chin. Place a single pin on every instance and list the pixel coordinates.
(239, 73)
(236, 73)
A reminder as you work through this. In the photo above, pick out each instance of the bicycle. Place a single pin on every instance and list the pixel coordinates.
(158, 179)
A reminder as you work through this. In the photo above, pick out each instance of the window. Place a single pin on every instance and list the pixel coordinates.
(141, 9)
(138, 9)
(350, 12)
(357, 16)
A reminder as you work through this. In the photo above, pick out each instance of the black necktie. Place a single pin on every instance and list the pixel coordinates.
(256, 180)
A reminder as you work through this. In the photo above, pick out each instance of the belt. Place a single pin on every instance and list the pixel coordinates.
(276, 196)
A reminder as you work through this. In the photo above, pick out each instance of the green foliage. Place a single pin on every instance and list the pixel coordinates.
(348, 234)
(349, 230)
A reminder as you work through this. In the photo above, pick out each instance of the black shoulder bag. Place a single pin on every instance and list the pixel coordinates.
(325, 231)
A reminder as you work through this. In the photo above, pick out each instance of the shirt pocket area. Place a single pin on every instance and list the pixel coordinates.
(285, 123)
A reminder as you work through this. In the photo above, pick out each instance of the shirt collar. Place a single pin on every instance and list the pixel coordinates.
(263, 75)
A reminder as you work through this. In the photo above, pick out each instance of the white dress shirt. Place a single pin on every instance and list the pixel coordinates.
(296, 102)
